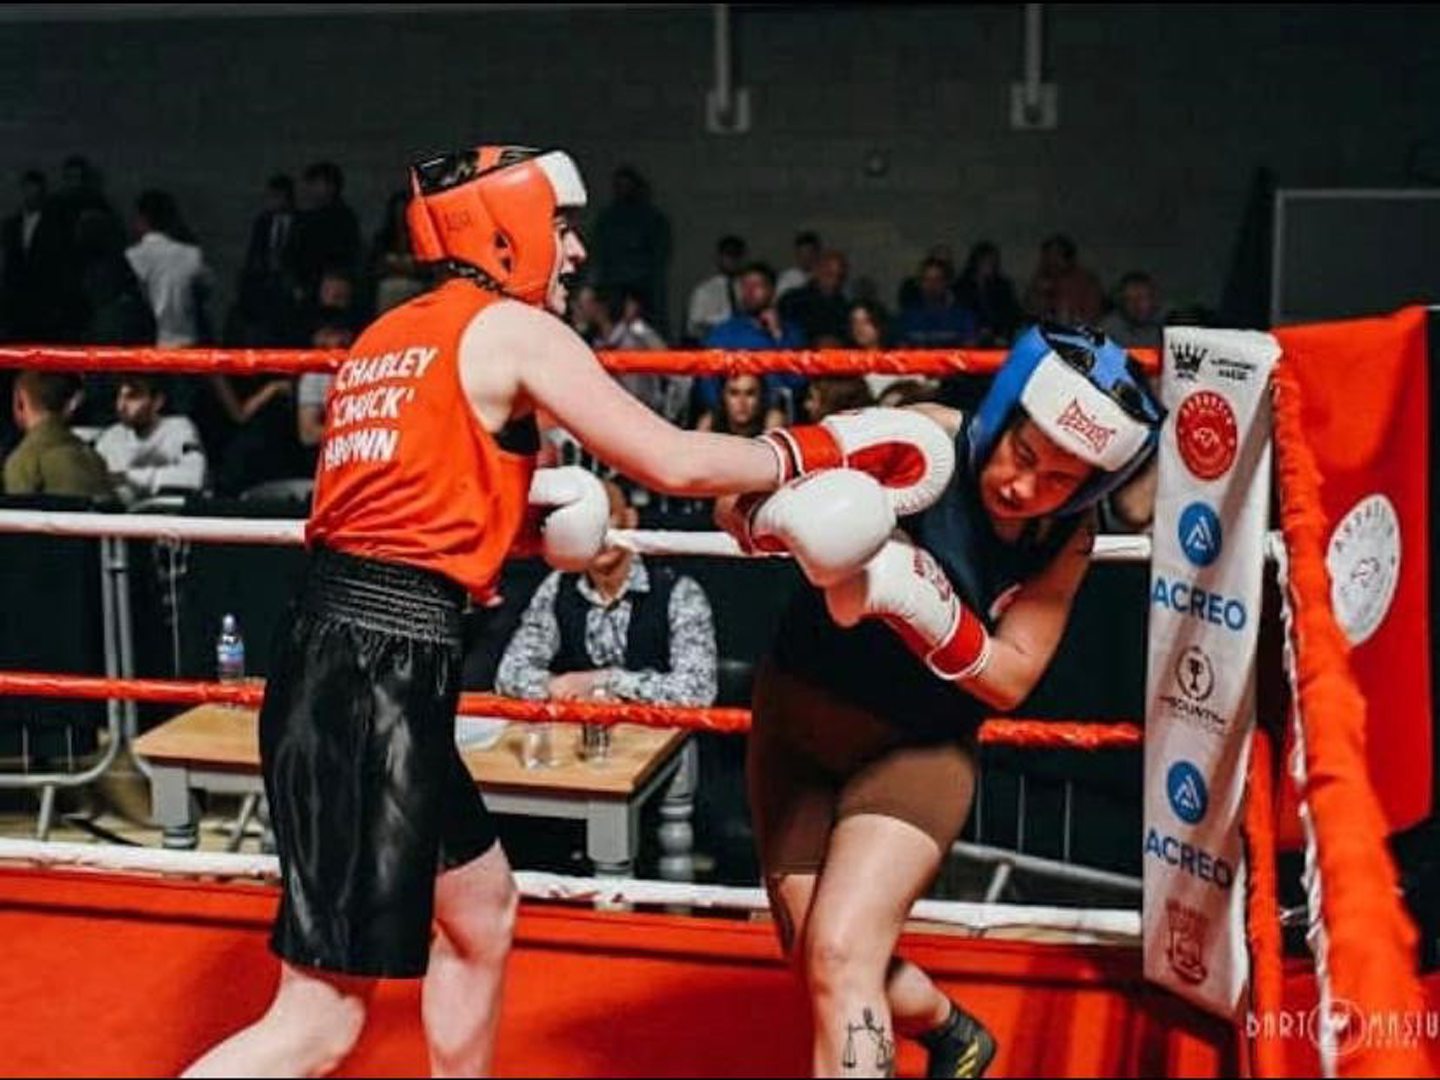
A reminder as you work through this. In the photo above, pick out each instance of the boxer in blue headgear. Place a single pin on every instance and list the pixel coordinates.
(1085, 393)
(861, 763)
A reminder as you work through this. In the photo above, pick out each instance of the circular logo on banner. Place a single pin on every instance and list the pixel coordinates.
(1206, 433)
(1195, 674)
(1364, 563)
(1186, 788)
(1200, 534)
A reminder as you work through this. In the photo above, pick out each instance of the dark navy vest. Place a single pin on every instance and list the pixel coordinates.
(868, 665)
(647, 644)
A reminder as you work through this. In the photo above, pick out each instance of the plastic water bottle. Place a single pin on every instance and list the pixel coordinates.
(230, 651)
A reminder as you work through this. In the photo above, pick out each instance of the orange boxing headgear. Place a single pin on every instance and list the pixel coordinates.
(492, 210)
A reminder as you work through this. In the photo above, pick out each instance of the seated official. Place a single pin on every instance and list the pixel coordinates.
(146, 452)
(623, 629)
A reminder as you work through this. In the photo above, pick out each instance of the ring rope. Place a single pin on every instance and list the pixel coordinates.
(1370, 955)
(996, 731)
(933, 362)
(290, 532)
(1262, 908)
(1097, 924)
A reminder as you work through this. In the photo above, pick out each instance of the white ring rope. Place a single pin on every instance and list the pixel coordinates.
(291, 532)
(1090, 925)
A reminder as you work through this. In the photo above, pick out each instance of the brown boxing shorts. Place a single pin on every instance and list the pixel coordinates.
(815, 759)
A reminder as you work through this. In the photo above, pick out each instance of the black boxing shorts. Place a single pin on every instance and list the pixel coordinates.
(369, 797)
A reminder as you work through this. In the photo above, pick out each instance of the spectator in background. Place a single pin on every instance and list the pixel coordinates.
(50, 459)
(632, 244)
(757, 325)
(333, 330)
(870, 332)
(171, 270)
(989, 295)
(743, 409)
(116, 304)
(60, 314)
(336, 292)
(820, 308)
(114, 308)
(588, 317)
(936, 321)
(255, 432)
(394, 275)
(326, 232)
(807, 254)
(1062, 290)
(868, 326)
(714, 300)
(23, 279)
(264, 312)
(623, 630)
(909, 293)
(1137, 321)
(81, 188)
(617, 321)
(835, 393)
(146, 452)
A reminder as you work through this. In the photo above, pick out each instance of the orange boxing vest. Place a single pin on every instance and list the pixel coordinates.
(406, 473)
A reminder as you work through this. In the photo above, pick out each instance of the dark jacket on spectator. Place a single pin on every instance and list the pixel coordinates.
(995, 305)
(325, 237)
(817, 314)
(266, 303)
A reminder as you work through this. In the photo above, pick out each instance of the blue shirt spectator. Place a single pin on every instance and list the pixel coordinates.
(937, 321)
(757, 326)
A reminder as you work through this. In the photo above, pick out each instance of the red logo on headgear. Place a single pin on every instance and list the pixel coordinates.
(1186, 931)
(1206, 433)
(1093, 433)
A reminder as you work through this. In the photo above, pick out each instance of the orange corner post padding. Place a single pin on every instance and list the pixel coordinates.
(1371, 941)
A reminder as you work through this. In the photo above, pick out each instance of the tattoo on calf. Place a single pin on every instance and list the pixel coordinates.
(879, 1039)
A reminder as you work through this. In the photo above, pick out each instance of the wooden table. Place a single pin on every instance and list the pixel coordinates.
(217, 748)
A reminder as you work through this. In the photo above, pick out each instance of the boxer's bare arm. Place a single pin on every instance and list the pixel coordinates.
(514, 358)
(1029, 632)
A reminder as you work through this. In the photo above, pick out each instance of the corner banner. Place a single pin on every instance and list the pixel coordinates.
(1211, 514)
(1364, 391)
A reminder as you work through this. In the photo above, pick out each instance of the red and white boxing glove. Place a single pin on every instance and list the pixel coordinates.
(908, 453)
(906, 588)
(575, 516)
(832, 522)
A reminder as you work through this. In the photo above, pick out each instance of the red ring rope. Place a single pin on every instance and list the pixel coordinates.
(936, 362)
(1262, 909)
(997, 731)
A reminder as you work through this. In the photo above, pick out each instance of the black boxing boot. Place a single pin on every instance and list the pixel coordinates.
(960, 1047)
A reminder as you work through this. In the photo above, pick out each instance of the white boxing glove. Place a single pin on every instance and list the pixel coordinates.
(574, 532)
(832, 522)
(907, 452)
(907, 589)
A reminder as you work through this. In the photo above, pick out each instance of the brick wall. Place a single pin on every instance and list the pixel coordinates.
(1165, 113)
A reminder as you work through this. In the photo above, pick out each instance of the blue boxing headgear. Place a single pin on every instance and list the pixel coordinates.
(1085, 393)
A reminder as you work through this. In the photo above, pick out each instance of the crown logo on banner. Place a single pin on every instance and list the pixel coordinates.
(1188, 358)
